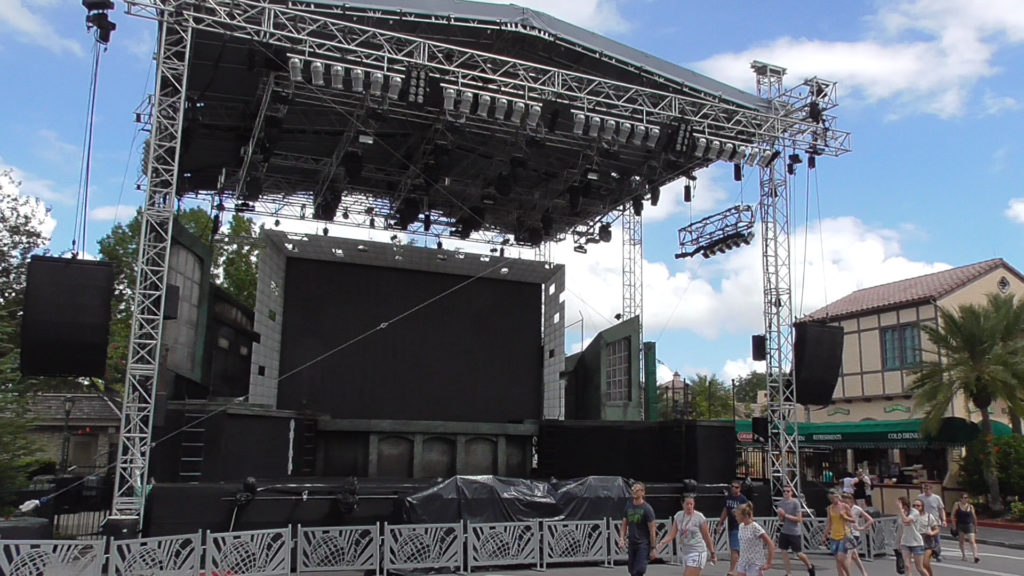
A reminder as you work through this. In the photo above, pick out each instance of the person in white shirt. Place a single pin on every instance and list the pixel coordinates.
(911, 543)
(862, 521)
(848, 482)
(753, 543)
(695, 544)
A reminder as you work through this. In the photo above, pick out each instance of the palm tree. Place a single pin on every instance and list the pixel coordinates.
(981, 355)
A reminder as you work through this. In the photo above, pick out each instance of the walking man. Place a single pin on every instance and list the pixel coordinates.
(933, 505)
(733, 500)
(638, 532)
(790, 539)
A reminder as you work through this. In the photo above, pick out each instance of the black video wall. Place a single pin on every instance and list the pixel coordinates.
(472, 355)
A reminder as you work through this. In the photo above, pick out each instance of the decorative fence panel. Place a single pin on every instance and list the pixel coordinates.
(583, 541)
(616, 554)
(423, 546)
(503, 544)
(329, 551)
(253, 553)
(882, 538)
(166, 556)
(814, 530)
(39, 557)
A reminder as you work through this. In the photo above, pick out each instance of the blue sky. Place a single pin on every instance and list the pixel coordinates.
(932, 90)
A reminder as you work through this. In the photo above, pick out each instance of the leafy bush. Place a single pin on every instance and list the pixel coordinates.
(38, 466)
(1009, 457)
(1017, 511)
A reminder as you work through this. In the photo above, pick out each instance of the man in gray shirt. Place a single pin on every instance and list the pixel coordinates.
(792, 516)
(933, 505)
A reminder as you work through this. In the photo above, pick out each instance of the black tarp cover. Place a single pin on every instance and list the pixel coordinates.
(486, 499)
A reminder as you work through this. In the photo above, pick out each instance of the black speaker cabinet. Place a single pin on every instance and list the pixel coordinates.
(817, 357)
(66, 320)
(758, 348)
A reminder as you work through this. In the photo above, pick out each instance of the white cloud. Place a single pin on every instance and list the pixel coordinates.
(118, 212)
(925, 55)
(995, 104)
(707, 196)
(29, 26)
(740, 367)
(665, 374)
(49, 146)
(44, 190)
(601, 16)
(1015, 211)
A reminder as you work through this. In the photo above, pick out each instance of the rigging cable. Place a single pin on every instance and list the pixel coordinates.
(85, 171)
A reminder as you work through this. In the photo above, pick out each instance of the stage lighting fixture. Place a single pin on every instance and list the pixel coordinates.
(483, 105)
(769, 159)
(501, 252)
(579, 120)
(752, 156)
(795, 159)
(639, 131)
(741, 155)
(652, 136)
(394, 87)
(702, 144)
(592, 174)
(344, 214)
(655, 195)
(609, 129)
(687, 193)
(790, 168)
(394, 238)
(376, 83)
(337, 76)
(102, 23)
(604, 232)
(488, 200)
(705, 253)
(737, 172)
(277, 223)
(638, 206)
(362, 248)
(316, 72)
(295, 69)
(812, 163)
(595, 127)
(814, 112)
(449, 99)
(714, 149)
(533, 116)
(326, 230)
(97, 5)
(579, 249)
(373, 222)
(494, 250)
(727, 152)
(680, 140)
(427, 222)
(442, 257)
(357, 80)
(518, 108)
(499, 108)
(466, 103)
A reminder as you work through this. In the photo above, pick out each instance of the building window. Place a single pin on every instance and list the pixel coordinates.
(616, 372)
(901, 347)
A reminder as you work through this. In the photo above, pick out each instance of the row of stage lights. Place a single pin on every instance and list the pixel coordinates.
(356, 75)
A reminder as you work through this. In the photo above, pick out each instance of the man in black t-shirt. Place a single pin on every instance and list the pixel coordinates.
(638, 531)
(732, 501)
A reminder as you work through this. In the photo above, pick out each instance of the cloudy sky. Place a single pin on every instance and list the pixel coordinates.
(932, 90)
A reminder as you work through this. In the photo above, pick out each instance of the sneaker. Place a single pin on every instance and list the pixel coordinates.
(938, 559)
(976, 559)
(810, 570)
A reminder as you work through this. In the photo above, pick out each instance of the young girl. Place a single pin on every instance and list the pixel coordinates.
(695, 544)
(964, 524)
(911, 543)
(753, 541)
(858, 514)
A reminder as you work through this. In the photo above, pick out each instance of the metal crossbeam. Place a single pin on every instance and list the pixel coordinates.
(154, 250)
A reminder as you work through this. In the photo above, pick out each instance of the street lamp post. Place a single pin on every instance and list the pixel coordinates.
(69, 405)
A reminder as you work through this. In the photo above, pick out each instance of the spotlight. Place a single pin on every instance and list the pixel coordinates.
(337, 76)
(795, 159)
(277, 223)
(394, 238)
(295, 69)
(814, 112)
(344, 214)
(316, 71)
(427, 222)
(737, 172)
(687, 193)
(376, 83)
(769, 159)
(624, 129)
(655, 195)
(579, 120)
(716, 146)
(638, 206)
(579, 249)
(499, 108)
(702, 144)
(394, 87)
(609, 129)
(752, 156)
(638, 134)
(741, 155)
(812, 163)
(533, 116)
(652, 136)
(604, 232)
(517, 112)
(727, 152)
(483, 104)
(373, 222)
(440, 245)
(357, 80)
(466, 104)
(595, 126)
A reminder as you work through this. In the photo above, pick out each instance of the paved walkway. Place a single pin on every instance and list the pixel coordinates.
(1004, 537)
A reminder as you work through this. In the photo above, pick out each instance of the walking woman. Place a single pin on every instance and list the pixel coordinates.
(911, 543)
(928, 526)
(838, 537)
(753, 542)
(965, 523)
(695, 544)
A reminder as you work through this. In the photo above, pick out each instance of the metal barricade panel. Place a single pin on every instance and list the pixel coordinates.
(253, 553)
(883, 536)
(583, 541)
(503, 544)
(423, 546)
(333, 550)
(65, 557)
(616, 554)
(166, 556)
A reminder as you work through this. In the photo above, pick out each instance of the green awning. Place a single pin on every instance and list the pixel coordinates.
(879, 433)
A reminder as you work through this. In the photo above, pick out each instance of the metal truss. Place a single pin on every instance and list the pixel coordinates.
(633, 282)
(154, 250)
(718, 233)
(316, 33)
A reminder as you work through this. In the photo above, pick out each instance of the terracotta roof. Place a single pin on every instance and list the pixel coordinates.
(904, 292)
(88, 408)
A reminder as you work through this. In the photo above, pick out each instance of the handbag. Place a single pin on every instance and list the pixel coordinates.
(901, 568)
(954, 532)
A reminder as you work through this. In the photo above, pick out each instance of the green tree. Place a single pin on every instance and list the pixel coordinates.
(981, 356)
(238, 263)
(747, 388)
(710, 398)
(22, 222)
